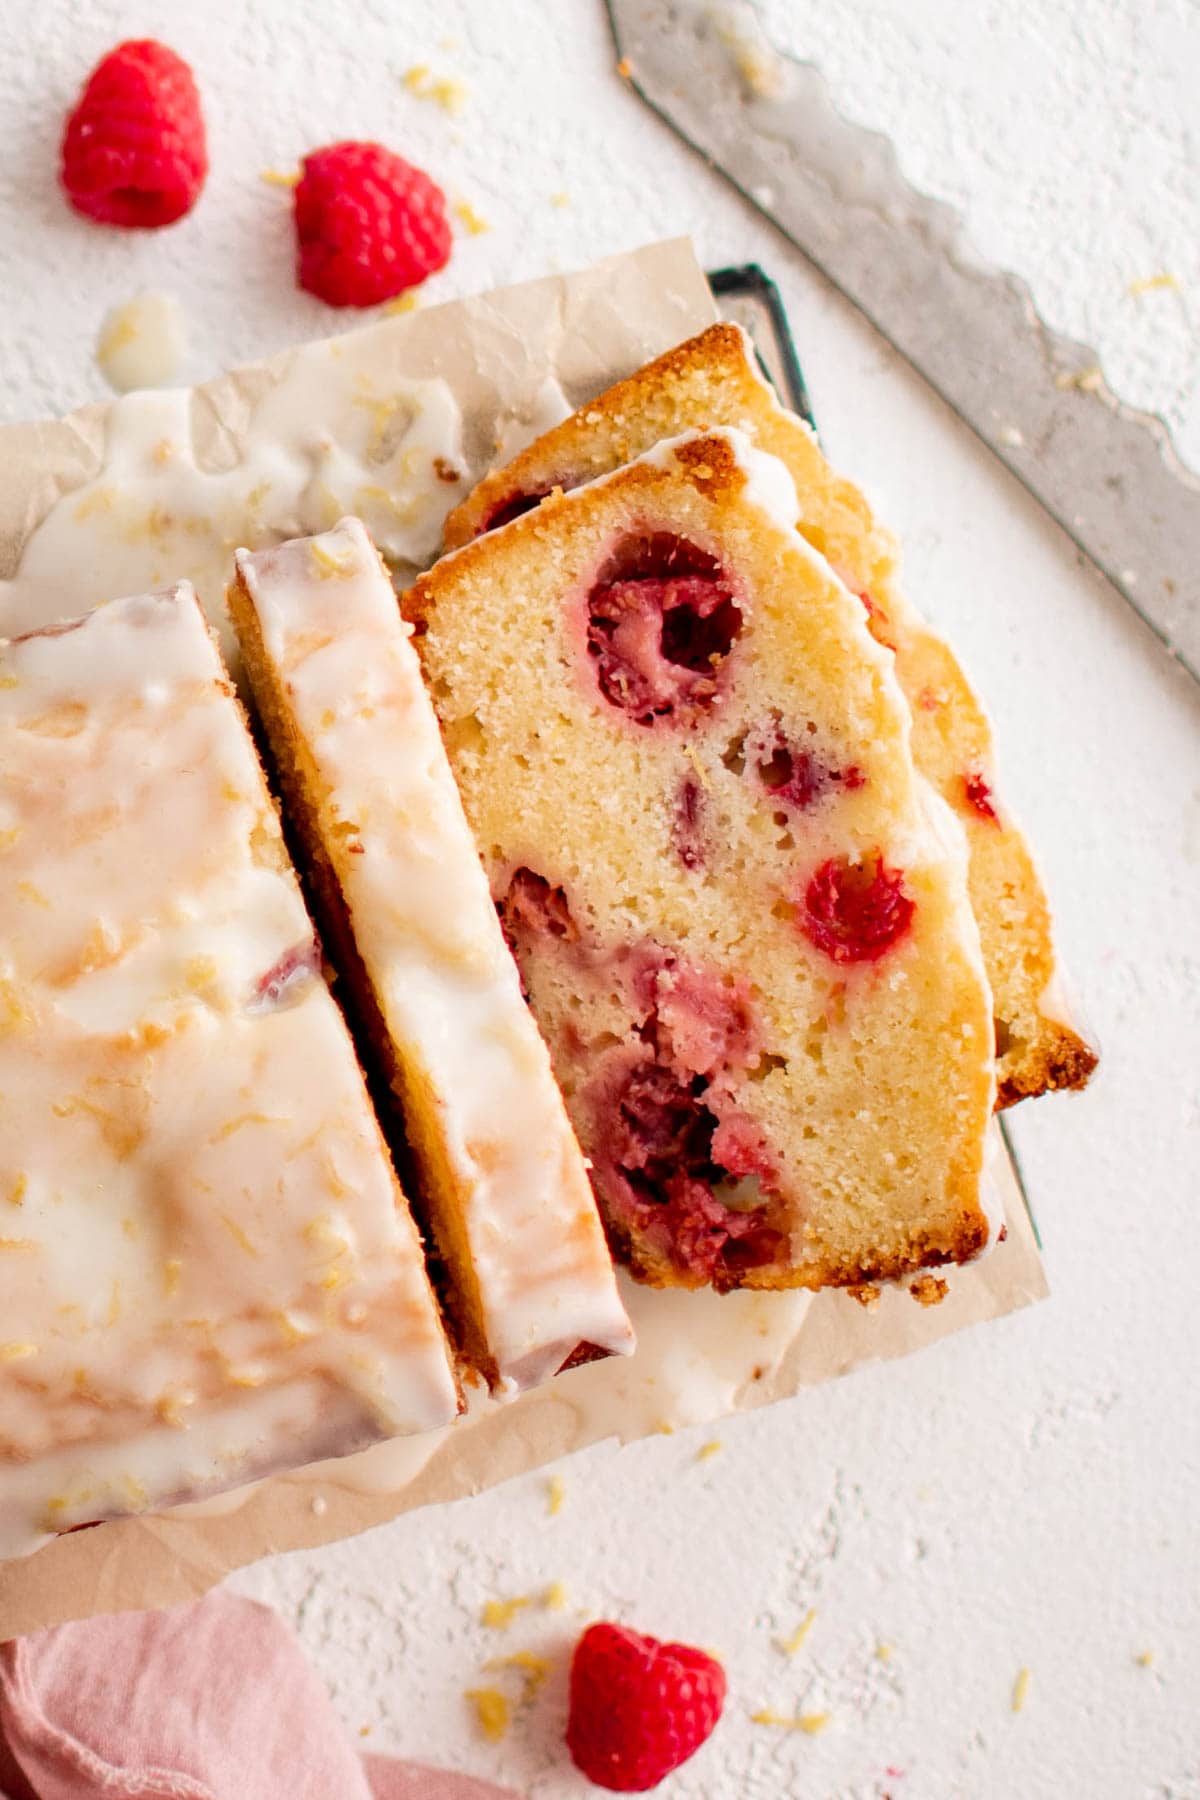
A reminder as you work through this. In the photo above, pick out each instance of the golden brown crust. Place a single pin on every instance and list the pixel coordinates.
(868, 1295)
(709, 463)
(720, 345)
(708, 381)
(1062, 1060)
(861, 1279)
(712, 468)
(925, 1252)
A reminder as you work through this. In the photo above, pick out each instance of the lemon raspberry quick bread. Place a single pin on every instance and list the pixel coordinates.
(741, 918)
(713, 380)
(207, 1269)
(406, 904)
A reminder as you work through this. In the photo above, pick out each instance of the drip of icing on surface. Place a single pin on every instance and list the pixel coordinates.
(171, 502)
(142, 342)
(550, 407)
(700, 1356)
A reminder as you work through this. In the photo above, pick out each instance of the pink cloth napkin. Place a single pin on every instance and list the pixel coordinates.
(213, 1701)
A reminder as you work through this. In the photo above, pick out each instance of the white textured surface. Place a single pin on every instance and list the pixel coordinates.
(1064, 134)
(1026, 1495)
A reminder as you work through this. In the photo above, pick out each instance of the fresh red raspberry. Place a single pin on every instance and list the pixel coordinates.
(660, 630)
(979, 794)
(369, 225)
(855, 912)
(639, 1708)
(134, 151)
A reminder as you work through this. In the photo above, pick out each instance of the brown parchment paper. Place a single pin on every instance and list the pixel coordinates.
(496, 351)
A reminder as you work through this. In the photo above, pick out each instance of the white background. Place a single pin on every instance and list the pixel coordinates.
(1023, 1496)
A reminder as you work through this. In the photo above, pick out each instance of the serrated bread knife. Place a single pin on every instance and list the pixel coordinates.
(1109, 475)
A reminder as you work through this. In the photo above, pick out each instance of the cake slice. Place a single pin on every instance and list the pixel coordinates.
(740, 916)
(207, 1267)
(404, 901)
(713, 380)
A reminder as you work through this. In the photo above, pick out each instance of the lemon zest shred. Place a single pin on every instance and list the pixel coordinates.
(1149, 284)
(790, 1645)
(498, 1615)
(326, 565)
(533, 1668)
(811, 1723)
(474, 221)
(491, 1710)
(1086, 380)
(243, 1119)
(237, 1234)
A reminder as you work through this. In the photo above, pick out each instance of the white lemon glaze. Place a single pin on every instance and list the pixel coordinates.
(142, 342)
(429, 936)
(204, 1271)
(699, 1356)
(336, 434)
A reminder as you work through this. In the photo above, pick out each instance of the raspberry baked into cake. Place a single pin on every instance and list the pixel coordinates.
(740, 916)
(207, 1267)
(405, 907)
(713, 380)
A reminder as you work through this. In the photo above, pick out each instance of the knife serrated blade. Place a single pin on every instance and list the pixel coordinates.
(1109, 475)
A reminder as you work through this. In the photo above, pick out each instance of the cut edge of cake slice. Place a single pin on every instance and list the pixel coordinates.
(405, 907)
(713, 380)
(740, 914)
(219, 1274)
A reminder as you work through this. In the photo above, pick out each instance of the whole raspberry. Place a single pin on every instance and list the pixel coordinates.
(369, 225)
(639, 1708)
(855, 912)
(134, 151)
